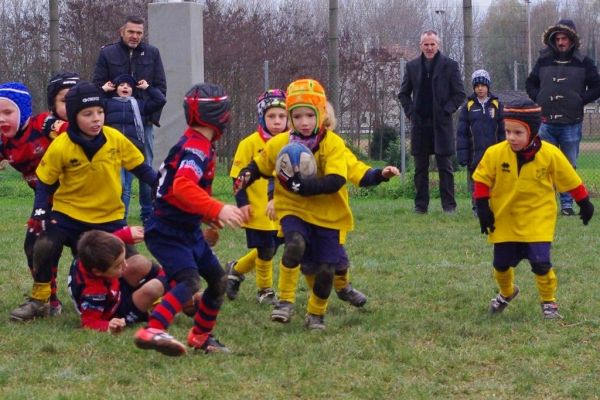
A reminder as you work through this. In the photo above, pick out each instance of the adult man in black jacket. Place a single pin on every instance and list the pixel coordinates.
(562, 81)
(430, 93)
(142, 61)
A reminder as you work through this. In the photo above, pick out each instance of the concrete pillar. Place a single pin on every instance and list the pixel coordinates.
(176, 29)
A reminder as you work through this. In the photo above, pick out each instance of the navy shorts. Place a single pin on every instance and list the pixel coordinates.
(342, 266)
(72, 228)
(177, 249)
(257, 239)
(126, 309)
(509, 254)
(322, 244)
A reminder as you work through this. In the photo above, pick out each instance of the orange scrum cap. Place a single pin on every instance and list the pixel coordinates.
(307, 93)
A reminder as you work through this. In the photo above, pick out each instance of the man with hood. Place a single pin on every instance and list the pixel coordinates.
(562, 81)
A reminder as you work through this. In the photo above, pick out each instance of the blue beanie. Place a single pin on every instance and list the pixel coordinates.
(124, 78)
(19, 95)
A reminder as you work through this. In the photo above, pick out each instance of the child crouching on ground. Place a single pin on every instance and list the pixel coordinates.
(109, 291)
(515, 193)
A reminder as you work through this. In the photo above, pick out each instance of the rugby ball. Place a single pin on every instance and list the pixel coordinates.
(295, 157)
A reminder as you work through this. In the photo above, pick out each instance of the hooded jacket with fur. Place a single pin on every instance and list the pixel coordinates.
(563, 82)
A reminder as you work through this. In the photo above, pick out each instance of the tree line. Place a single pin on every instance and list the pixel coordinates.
(239, 36)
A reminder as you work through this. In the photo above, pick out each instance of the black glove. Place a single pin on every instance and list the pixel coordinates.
(486, 216)
(586, 210)
(292, 183)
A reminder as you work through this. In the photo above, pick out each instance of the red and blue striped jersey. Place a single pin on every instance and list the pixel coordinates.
(185, 186)
(96, 298)
(25, 150)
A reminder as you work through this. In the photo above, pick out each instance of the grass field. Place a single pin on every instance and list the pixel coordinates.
(425, 332)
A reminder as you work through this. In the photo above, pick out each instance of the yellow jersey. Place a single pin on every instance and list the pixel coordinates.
(524, 202)
(89, 191)
(325, 210)
(250, 147)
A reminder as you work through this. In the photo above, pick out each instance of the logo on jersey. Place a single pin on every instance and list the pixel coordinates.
(540, 173)
(193, 166)
(198, 153)
(505, 167)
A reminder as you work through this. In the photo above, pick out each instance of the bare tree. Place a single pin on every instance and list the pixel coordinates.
(24, 55)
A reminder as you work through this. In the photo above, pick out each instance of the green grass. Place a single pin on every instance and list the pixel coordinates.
(425, 332)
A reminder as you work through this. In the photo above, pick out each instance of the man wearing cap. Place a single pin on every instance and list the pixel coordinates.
(430, 93)
(131, 56)
(562, 81)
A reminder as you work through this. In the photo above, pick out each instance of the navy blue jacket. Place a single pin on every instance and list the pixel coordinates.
(563, 86)
(144, 62)
(478, 128)
(119, 114)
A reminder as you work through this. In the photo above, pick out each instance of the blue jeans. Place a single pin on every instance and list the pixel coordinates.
(146, 190)
(126, 180)
(567, 138)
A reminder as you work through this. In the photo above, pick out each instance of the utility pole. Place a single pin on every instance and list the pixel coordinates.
(402, 129)
(54, 39)
(468, 40)
(334, 57)
(441, 14)
(527, 2)
(266, 73)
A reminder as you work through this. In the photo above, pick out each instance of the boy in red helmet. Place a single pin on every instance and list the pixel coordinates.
(173, 234)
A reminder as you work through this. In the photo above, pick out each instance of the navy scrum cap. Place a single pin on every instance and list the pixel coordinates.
(83, 95)
(61, 80)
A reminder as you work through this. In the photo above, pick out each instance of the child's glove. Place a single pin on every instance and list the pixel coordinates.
(486, 216)
(292, 183)
(38, 221)
(242, 181)
(586, 210)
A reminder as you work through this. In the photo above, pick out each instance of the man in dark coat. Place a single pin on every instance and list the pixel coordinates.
(431, 92)
(562, 81)
(142, 61)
